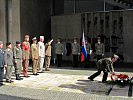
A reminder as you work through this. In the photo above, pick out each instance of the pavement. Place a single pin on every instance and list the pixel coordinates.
(65, 84)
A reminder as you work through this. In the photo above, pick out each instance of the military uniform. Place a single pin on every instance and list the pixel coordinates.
(41, 47)
(26, 57)
(8, 59)
(75, 53)
(88, 48)
(59, 52)
(17, 52)
(47, 55)
(105, 65)
(1, 66)
(35, 57)
(99, 47)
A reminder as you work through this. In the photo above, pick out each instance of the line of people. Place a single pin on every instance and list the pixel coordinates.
(18, 58)
(75, 49)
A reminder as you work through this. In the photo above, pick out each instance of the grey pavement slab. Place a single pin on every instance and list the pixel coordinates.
(63, 84)
(20, 93)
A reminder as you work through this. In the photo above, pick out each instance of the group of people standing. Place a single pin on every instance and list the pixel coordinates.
(76, 50)
(18, 58)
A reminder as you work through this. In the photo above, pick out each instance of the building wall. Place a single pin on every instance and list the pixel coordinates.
(118, 30)
(85, 6)
(16, 36)
(3, 36)
(66, 27)
(128, 35)
(57, 7)
(35, 18)
(9, 23)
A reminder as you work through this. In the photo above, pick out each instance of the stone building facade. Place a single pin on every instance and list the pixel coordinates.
(114, 26)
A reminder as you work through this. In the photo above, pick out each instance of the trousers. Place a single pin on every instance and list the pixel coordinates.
(35, 66)
(47, 61)
(9, 72)
(1, 74)
(41, 63)
(25, 66)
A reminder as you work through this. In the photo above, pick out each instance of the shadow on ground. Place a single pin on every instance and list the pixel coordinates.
(92, 87)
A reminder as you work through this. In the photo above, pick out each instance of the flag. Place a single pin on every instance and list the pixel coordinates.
(83, 51)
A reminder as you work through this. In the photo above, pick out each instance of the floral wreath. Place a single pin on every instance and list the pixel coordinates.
(122, 79)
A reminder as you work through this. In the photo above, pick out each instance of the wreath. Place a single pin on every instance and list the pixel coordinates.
(121, 79)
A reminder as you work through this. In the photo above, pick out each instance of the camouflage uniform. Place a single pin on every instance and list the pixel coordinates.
(105, 65)
(75, 53)
(59, 52)
(17, 52)
(99, 50)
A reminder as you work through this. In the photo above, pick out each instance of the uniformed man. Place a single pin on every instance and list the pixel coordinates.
(41, 47)
(35, 56)
(105, 65)
(48, 55)
(17, 53)
(88, 49)
(26, 55)
(75, 52)
(1, 63)
(59, 52)
(99, 47)
(8, 59)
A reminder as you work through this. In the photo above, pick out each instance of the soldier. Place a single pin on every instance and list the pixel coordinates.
(41, 53)
(26, 55)
(8, 59)
(48, 55)
(99, 47)
(35, 56)
(1, 63)
(88, 49)
(105, 65)
(59, 52)
(75, 52)
(17, 52)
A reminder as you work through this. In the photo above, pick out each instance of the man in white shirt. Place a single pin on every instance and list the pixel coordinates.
(41, 47)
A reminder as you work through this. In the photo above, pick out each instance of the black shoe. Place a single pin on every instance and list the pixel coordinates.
(11, 81)
(17, 77)
(37, 74)
(20, 77)
(90, 79)
(1, 84)
(104, 81)
(8, 81)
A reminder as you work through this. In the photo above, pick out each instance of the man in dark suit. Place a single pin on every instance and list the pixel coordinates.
(1, 63)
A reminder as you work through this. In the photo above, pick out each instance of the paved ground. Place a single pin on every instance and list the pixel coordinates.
(64, 84)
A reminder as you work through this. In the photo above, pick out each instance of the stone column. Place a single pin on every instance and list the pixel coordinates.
(15, 21)
(3, 36)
